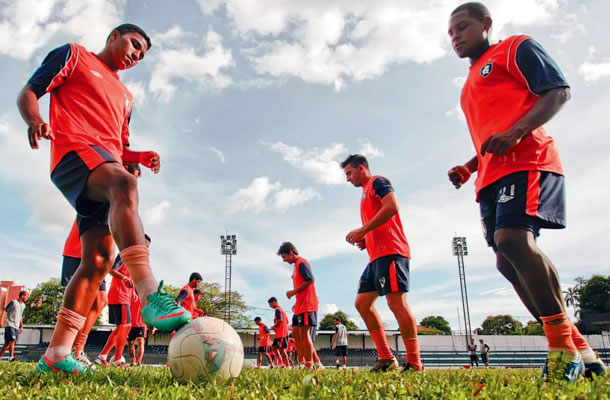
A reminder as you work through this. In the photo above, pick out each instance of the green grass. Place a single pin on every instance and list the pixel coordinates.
(19, 381)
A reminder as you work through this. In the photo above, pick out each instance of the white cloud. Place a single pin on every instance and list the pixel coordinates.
(138, 90)
(334, 42)
(459, 81)
(329, 309)
(320, 164)
(27, 25)
(157, 214)
(456, 112)
(219, 153)
(592, 71)
(51, 212)
(368, 150)
(262, 195)
(205, 67)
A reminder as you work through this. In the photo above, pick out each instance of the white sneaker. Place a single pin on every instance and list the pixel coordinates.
(103, 361)
(82, 357)
(118, 363)
(319, 365)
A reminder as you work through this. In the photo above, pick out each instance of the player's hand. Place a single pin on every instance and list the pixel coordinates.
(355, 236)
(151, 160)
(37, 132)
(459, 175)
(20, 330)
(128, 282)
(361, 244)
(289, 294)
(500, 143)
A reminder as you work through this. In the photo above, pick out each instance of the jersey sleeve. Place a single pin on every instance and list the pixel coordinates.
(53, 71)
(382, 187)
(278, 315)
(267, 330)
(181, 296)
(117, 263)
(305, 271)
(9, 306)
(538, 68)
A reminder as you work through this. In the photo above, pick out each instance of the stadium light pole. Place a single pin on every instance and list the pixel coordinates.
(460, 249)
(228, 248)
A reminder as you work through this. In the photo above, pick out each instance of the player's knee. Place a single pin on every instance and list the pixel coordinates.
(125, 190)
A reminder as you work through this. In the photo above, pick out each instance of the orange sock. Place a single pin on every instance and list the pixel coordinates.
(68, 324)
(558, 330)
(79, 342)
(579, 341)
(381, 342)
(413, 357)
(136, 258)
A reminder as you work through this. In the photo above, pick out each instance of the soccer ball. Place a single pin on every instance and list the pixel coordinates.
(203, 349)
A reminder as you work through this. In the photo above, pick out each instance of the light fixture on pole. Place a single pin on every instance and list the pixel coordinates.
(228, 248)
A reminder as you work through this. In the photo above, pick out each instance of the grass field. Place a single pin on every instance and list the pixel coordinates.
(19, 381)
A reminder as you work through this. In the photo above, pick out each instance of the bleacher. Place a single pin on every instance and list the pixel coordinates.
(20, 351)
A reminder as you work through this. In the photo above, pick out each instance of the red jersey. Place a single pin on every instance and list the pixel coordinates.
(282, 329)
(136, 311)
(306, 300)
(89, 104)
(498, 92)
(72, 247)
(187, 300)
(389, 238)
(265, 335)
(119, 292)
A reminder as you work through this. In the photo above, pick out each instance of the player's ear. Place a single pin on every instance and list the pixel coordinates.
(487, 25)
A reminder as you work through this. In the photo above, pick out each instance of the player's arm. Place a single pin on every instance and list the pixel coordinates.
(308, 279)
(181, 296)
(2, 319)
(124, 278)
(149, 159)
(389, 207)
(278, 317)
(460, 174)
(27, 103)
(541, 75)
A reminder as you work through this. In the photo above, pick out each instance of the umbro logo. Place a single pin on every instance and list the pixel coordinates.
(364, 196)
(505, 198)
(486, 70)
(95, 73)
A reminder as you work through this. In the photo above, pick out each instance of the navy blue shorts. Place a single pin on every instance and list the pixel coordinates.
(305, 319)
(387, 274)
(68, 269)
(70, 176)
(281, 343)
(136, 332)
(529, 200)
(264, 349)
(119, 314)
(10, 334)
(313, 332)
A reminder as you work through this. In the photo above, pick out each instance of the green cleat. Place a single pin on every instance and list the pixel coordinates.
(69, 366)
(163, 313)
(560, 366)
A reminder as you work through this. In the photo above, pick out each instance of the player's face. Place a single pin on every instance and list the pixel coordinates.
(127, 49)
(353, 175)
(467, 34)
(288, 258)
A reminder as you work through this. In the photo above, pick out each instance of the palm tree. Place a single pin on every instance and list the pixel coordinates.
(572, 298)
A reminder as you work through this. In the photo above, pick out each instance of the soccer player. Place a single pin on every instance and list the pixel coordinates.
(306, 307)
(186, 297)
(14, 323)
(484, 348)
(264, 345)
(137, 333)
(280, 328)
(90, 111)
(472, 349)
(120, 298)
(387, 273)
(512, 89)
(339, 342)
(291, 350)
(196, 311)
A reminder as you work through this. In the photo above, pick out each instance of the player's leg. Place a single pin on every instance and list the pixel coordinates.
(259, 358)
(123, 331)
(268, 355)
(98, 249)
(132, 349)
(509, 272)
(307, 343)
(408, 328)
(141, 345)
(365, 305)
(81, 338)
(110, 183)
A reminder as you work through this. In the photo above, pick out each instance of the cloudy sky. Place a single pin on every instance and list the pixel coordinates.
(253, 104)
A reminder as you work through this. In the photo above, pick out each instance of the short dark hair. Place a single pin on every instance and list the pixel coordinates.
(272, 299)
(286, 248)
(147, 238)
(336, 319)
(126, 28)
(195, 275)
(354, 160)
(23, 292)
(196, 291)
(475, 10)
(257, 319)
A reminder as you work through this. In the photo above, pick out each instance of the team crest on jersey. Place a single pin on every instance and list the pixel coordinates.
(486, 70)
(382, 282)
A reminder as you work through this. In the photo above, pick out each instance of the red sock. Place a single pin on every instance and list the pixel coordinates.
(413, 357)
(558, 330)
(579, 341)
(381, 342)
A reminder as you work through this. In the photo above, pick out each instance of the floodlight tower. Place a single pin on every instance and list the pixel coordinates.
(228, 248)
(460, 250)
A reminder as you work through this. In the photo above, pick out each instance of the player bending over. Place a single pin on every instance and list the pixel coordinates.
(387, 273)
(512, 89)
(90, 111)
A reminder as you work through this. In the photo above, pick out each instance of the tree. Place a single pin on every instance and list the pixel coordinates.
(212, 302)
(438, 323)
(45, 302)
(533, 328)
(327, 323)
(572, 298)
(501, 325)
(594, 294)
